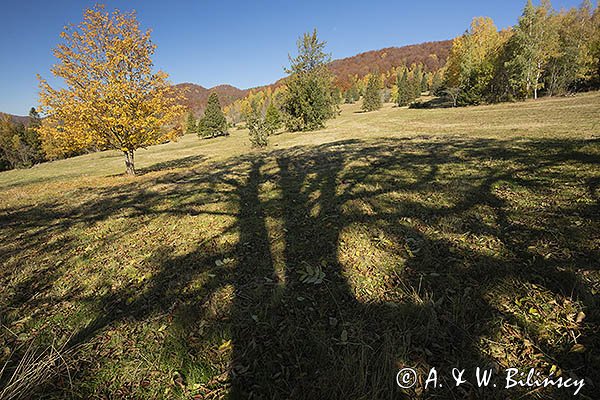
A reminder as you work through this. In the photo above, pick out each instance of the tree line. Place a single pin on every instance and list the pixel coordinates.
(546, 53)
(20, 144)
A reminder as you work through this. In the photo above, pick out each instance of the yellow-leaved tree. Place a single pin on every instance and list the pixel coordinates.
(111, 98)
(471, 63)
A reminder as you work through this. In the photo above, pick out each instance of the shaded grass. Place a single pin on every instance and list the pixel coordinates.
(475, 245)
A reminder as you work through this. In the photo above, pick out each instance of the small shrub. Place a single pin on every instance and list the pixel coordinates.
(259, 131)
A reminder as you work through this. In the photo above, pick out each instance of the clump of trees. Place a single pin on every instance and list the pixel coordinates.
(233, 113)
(472, 61)
(355, 90)
(432, 56)
(213, 121)
(304, 102)
(263, 118)
(437, 82)
(111, 98)
(410, 83)
(308, 100)
(546, 53)
(352, 94)
(20, 145)
(310, 95)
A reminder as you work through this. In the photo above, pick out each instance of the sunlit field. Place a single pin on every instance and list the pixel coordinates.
(318, 267)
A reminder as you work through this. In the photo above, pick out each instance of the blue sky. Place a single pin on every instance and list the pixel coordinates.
(243, 43)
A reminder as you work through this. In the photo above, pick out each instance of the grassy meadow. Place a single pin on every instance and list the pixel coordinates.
(317, 268)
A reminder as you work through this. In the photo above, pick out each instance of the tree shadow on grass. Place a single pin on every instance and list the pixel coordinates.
(320, 341)
(185, 162)
(436, 102)
(443, 253)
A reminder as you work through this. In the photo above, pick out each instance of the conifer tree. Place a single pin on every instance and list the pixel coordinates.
(352, 94)
(308, 101)
(32, 139)
(336, 95)
(190, 126)
(424, 83)
(356, 92)
(414, 87)
(394, 93)
(417, 80)
(213, 123)
(348, 96)
(403, 89)
(372, 99)
(258, 128)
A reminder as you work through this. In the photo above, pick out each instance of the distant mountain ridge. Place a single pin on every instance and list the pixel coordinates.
(432, 55)
(17, 119)
(196, 96)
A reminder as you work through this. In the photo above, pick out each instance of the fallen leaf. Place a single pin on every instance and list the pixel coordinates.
(344, 336)
(577, 348)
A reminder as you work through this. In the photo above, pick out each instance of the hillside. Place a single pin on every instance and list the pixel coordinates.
(17, 119)
(444, 237)
(197, 96)
(431, 54)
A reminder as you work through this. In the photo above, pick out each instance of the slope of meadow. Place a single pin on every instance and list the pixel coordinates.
(437, 238)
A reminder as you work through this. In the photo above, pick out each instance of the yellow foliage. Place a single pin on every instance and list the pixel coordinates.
(111, 98)
(471, 50)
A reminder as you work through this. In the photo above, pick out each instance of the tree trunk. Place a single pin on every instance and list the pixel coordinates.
(538, 75)
(129, 165)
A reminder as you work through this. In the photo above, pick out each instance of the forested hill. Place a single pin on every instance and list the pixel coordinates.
(432, 55)
(16, 119)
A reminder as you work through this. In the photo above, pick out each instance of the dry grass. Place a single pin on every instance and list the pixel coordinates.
(450, 237)
(35, 368)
